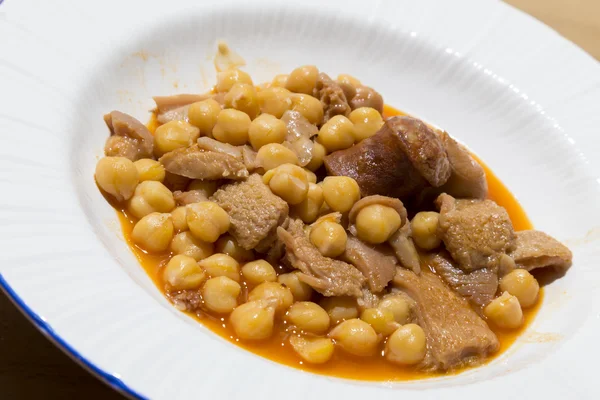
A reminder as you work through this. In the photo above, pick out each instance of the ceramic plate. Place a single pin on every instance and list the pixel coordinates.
(523, 98)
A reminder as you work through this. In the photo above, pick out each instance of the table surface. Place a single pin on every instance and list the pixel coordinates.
(31, 367)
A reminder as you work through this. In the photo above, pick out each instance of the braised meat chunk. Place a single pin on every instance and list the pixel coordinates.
(332, 97)
(129, 137)
(377, 263)
(195, 163)
(535, 249)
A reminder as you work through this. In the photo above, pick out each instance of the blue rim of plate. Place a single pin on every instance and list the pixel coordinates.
(108, 378)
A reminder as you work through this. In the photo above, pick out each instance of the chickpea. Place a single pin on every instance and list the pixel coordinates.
(380, 319)
(259, 271)
(185, 243)
(183, 272)
(228, 245)
(266, 129)
(398, 306)
(318, 154)
(275, 101)
(340, 192)
(302, 79)
(232, 127)
(226, 79)
(407, 345)
(150, 170)
(300, 290)
(203, 115)
(281, 296)
(337, 134)
(376, 223)
(289, 182)
(424, 227)
(367, 121)
(207, 220)
(308, 210)
(220, 294)
(329, 237)
(279, 81)
(313, 350)
(356, 337)
(348, 79)
(308, 317)
(221, 265)
(243, 97)
(117, 176)
(178, 217)
(340, 308)
(153, 232)
(174, 135)
(310, 107)
(149, 197)
(505, 311)
(272, 155)
(310, 176)
(521, 284)
(253, 320)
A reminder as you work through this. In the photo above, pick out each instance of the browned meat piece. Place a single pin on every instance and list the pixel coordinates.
(366, 97)
(299, 134)
(189, 197)
(377, 263)
(535, 249)
(186, 300)
(399, 161)
(243, 153)
(326, 275)
(479, 287)
(405, 249)
(332, 97)
(129, 137)
(176, 182)
(476, 232)
(195, 163)
(467, 179)
(254, 212)
(455, 334)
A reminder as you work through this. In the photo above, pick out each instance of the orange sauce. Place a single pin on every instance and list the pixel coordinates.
(342, 365)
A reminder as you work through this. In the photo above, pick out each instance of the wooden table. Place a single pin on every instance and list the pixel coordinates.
(32, 368)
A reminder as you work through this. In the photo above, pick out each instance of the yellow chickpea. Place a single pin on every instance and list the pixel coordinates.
(311, 176)
(356, 337)
(221, 265)
(521, 284)
(185, 243)
(228, 245)
(340, 308)
(232, 127)
(337, 134)
(376, 223)
(228, 78)
(279, 81)
(318, 154)
(266, 129)
(243, 97)
(367, 121)
(117, 176)
(259, 271)
(253, 320)
(310, 107)
(149, 197)
(348, 79)
(398, 306)
(207, 220)
(303, 79)
(178, 217)
(329, 237)
(208, 188)
(308, 210)
(174, 135)
(220, 294)
(505, 312)
(380, 319)
(424, 227)
(289, 182)
(314, 350)
(150, 170)
(280, 295)
(154, 232)
(300, 290)
(308, 317)
(272, 155)
(203, 115)
(340, 193)
(183, 272)
(407, 345)
(275, 101)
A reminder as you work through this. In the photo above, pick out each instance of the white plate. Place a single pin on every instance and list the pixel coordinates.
(523, 98)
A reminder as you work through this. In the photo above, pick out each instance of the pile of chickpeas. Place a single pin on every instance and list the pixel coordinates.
(204, 258)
